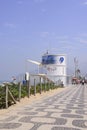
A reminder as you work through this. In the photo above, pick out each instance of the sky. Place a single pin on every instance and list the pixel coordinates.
(28, 28)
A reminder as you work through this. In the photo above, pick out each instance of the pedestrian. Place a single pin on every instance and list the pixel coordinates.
(83, 82)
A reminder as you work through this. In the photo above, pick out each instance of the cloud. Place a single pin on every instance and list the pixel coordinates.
(9, 25)
(64, 41)
(62, 37)
(83, 41)
(83, 35)
(85, 3)
(44, 34)
(44, 10)
(19, 2)
(1, 33)
(69, 47)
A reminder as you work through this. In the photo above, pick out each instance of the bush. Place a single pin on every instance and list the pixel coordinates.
(14, 89)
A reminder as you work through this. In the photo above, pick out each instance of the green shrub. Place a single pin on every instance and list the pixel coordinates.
(14, 89)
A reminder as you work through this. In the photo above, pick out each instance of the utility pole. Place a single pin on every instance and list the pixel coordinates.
(76, 65)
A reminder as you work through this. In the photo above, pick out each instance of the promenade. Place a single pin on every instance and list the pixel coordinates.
(65, 109)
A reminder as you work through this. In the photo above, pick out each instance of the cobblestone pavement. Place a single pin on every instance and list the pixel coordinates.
(66, 110)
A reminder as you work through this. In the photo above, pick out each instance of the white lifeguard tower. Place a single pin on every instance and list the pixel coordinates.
(54, 66)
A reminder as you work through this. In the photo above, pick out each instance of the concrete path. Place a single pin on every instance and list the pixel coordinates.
(66, 110)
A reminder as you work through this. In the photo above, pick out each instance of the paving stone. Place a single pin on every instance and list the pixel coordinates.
(10, 118)
(27, 113)
(81, 112)
(9, 125)
(54, 127)
(43, 120)
(64, 128)
(66, 111)
(80, 123)
(71, 116)
(60, 121)
(25, 119)
(69, 107)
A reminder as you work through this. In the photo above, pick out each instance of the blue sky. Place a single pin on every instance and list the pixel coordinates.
(30, 27)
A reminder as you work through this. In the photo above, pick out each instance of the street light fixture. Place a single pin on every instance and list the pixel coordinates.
(35, 62)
